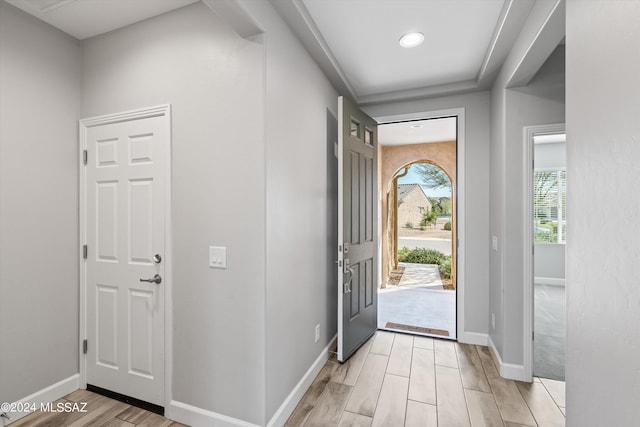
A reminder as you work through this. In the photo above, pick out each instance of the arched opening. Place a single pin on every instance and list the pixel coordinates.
(421, 215)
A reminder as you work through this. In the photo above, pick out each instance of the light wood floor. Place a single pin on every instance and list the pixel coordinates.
(398, 380)
(101, 412)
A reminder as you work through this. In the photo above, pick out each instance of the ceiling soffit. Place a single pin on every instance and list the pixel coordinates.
(355, 43)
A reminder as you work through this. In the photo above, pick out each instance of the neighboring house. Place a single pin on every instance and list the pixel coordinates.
(412, 204)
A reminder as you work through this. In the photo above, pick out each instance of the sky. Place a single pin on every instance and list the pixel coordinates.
(413, 178)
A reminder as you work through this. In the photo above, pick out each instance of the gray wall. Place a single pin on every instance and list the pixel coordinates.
(476, 175)
(300, 278)
(540, 102)
(39, 108)
(214, 80)
(549, 261)
(603, 293)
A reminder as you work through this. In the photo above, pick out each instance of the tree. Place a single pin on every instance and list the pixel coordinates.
(433, 176)
(430, 217)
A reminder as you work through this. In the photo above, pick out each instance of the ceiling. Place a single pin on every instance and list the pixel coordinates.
(418, 131)
(87, 18)
(363, 36)
(356, 43)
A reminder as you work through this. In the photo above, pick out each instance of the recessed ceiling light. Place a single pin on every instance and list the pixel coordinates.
(416, 126)
(411, 39)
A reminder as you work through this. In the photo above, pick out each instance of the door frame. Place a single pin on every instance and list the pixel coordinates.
(167, 280)
(528, 263)
(459, 113)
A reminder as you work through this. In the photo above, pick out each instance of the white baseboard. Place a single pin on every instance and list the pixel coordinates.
(507, 370)
(286, 409)
(553, 281)
(46, 395)
(197, 417)
(474, 338)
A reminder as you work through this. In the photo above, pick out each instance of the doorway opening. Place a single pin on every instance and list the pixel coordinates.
(418, 288)
(547, 195)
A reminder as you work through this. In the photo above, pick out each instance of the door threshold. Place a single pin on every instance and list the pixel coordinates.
(151, 407)
(418, 331)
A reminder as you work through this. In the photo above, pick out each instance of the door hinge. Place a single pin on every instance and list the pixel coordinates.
(85, 157)
(85, 251)
(85, 346)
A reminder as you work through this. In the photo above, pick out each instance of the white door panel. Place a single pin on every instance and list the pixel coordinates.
(125, 228)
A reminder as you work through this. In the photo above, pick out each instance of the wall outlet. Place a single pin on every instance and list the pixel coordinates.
(317, 332)
(493, 321)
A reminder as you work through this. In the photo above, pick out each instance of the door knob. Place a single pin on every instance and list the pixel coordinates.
(155, 279)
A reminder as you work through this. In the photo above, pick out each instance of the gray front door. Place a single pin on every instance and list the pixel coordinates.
(357, 228)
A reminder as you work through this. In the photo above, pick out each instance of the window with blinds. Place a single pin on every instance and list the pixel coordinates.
(550, 206)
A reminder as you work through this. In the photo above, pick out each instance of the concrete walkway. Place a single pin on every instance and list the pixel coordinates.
(419, 301)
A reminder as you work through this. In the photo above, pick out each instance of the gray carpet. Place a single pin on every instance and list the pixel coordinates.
(550, 331)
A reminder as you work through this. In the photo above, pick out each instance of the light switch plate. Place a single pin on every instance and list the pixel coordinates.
(494, 243)
(217, 257)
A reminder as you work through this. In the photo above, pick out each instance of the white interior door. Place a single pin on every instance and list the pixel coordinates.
(357, 228)
(125, 267)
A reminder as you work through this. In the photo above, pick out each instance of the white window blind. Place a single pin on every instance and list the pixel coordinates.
(550, 206)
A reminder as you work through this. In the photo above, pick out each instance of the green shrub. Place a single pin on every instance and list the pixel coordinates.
(423, 256)
(445, 267)
(427, 256)
(402, 253)
(422, 228)
(447, 226)
(408, 224)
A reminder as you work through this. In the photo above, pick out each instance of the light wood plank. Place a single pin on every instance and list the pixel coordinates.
(94, 403)
(308, 401)
(348, 372)
(116, 422)
(452, 407)
(471, 370)
(134, 415)
(510, 403)
(349, 419)
(563, 410)
(382, 343)
(392, 403)
(541, 404)
(423, 342)
(365, 394)
(100, 411)
(107, 410)
(421, 415)
(422, 382)
(40, 418)
(330, 405)
(445, 353)
(510, 424)
(155, 420)
(556, 389)
(400, 359)
(483, 411)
